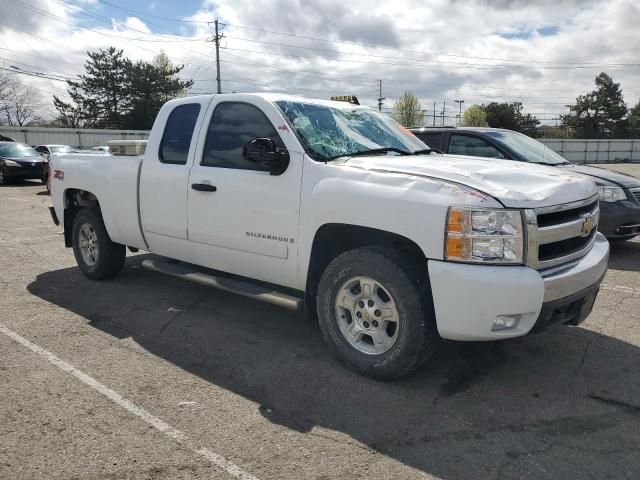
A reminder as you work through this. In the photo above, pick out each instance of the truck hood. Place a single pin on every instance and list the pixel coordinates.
(514, 184)
(620, 179)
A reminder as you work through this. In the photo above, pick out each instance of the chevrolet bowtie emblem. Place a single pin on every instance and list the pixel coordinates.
(588, 224)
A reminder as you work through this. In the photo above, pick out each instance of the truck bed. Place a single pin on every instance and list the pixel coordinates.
(114, 179)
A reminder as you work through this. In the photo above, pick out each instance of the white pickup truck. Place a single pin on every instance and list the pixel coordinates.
(337, 210)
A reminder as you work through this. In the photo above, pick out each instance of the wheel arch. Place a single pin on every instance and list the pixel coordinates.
(333, 239)
(74, 200)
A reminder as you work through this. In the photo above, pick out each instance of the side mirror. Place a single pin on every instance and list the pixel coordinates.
(264, 153)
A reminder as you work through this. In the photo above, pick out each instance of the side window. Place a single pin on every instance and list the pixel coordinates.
(176, 139)
(473, 146)
(232, 125)
(433, 139)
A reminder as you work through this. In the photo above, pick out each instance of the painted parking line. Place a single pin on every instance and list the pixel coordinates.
(620, 288)
(171, 432)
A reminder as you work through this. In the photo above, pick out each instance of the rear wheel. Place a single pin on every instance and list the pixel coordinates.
(375, 312)
(97, 256)
(3, 177)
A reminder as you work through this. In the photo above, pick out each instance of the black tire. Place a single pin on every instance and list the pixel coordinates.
(110, 256)
(3, 177)
(408, 287)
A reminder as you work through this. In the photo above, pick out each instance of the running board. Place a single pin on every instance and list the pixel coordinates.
(244, 288)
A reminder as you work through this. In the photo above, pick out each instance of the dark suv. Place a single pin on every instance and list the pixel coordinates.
(619, 193)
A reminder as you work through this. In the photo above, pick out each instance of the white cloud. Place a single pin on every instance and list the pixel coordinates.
(478, 51)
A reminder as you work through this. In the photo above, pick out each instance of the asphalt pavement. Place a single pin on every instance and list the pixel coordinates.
(149, 377)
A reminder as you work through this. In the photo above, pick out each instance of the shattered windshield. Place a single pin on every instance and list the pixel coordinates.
(328, 132)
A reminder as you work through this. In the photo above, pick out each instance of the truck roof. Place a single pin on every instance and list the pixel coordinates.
(276, 97)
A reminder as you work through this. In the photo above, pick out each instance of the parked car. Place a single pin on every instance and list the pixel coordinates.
(48, 150)
(20, 162)
(337, 210)
(619, 193)
(4, 138)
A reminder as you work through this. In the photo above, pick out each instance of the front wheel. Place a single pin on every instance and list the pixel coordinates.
(97, 256)
(375, 311)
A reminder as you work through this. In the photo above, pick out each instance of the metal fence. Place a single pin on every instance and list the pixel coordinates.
(596, 151)
(79, 138)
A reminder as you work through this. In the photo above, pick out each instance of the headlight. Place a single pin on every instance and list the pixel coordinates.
(484, 235)
(11, 163)
(611, 194)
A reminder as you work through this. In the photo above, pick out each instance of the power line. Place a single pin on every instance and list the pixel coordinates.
(150, 15)
(414, 65)
(427, 52)
(470, 65)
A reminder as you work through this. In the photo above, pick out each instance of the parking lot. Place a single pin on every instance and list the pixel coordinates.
(149, 377)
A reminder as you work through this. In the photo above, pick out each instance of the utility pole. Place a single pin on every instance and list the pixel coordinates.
(380, 97)
(459, 116)
(444, 106)
(434, 113)
(217, 39)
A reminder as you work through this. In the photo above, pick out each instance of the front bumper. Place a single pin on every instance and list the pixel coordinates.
(619, 219)
(469, 299)
(24, 173)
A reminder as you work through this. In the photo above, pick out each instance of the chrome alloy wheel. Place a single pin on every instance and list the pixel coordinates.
(367, 316)
(88, 242)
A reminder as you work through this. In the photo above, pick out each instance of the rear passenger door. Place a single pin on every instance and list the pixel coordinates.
(164, 176)
(472, 145)
(248, 225)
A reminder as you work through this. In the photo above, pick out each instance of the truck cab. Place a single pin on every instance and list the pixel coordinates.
(337, 210)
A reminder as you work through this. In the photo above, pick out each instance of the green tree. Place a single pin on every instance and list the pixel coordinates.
(633, 121)
(511, 117)
(407, 110)
(101, 97)
(600, 113)
(474, 116)
(151, 85)
(116, 93)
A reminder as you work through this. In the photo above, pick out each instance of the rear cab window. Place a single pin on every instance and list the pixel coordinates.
(178, 132)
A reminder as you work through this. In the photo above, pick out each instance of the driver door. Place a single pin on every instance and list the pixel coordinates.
(241, 218)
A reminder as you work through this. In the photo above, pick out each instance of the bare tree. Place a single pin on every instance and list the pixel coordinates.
(18, 103)
(4, 91)
(407, 110)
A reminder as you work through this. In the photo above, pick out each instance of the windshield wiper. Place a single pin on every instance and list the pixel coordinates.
(424, 151)
(373, 151)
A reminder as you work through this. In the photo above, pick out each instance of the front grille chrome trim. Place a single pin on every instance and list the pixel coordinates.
(566, 206)
(537, 236)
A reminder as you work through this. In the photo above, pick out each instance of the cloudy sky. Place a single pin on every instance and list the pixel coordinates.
(541, 53)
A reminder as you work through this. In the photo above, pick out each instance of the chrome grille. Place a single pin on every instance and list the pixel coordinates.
(561, 233)
(636, 193)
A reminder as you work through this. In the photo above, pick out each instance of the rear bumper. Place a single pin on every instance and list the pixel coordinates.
(619, 219)
(471, 300)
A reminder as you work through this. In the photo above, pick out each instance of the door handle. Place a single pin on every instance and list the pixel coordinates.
(203, 187)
